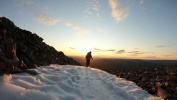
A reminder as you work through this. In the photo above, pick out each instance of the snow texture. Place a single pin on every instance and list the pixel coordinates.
(67, 82)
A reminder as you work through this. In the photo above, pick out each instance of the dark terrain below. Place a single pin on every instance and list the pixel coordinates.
(158, 77)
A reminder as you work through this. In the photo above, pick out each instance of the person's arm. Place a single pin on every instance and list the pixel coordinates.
(91, 57)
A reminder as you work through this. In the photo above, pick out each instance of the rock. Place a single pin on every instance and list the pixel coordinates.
(60, 54)
(29, 52)
(13, 61)
(175, 80)
(146, 72)
(1, 57)
(141, 84)
(32, 66)
(10, 47)
(16, 70)
(144, 79)
(153, 89)
(26, 60)
(2, 66)
(10, 68)
(163, 94)
(22, 65)
(0, 50)
(158, 84)
(172, 73)
(148, 85)
(4, 31)
(140, 77)
(1, 73)
(6, 23)
(22, 48)
(31, 72)
(52, 61)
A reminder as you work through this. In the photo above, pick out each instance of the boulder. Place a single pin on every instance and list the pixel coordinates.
(13, 61)
(162, 93)
(22, 65)
(16, 70)
(32, 66)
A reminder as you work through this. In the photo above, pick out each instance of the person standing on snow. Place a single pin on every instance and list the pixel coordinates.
(88, 57)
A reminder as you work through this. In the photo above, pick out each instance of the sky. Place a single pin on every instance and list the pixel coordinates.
(136, 29)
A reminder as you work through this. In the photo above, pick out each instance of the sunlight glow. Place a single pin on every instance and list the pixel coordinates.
(87, 49)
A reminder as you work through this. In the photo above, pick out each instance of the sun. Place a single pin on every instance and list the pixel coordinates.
(87, 49)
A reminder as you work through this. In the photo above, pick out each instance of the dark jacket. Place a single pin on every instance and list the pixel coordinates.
(89, 56)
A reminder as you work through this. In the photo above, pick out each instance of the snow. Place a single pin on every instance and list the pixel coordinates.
(67, 82)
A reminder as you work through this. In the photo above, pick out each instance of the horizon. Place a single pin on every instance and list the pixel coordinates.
(99, 57)
(109, 28)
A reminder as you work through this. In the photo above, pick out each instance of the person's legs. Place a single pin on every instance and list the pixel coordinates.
(87, 62)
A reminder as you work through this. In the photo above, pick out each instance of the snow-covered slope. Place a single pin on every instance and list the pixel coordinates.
(56, 82)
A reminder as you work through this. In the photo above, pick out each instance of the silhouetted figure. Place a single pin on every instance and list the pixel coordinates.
(88, 57)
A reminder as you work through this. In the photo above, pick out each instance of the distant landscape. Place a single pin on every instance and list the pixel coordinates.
(113, 63)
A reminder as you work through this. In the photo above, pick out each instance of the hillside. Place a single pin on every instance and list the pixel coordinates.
(68, 82)
(21, 49)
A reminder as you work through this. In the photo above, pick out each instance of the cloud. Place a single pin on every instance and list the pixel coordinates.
(1, 15)
(72, 48)
(137, 52)
(134, 52)
(100, 30)
(141, 2)
(101, 50)
(168, 55)
(93, 7)
(68, 24)
(162, 46)
(88, 12)
(118, 12)
(98, 50)
(111, 50)
(136, 48)
(175, 53)
(78, 28)
(120, 51)
(42, 13)
(21, 3)
(46, 20)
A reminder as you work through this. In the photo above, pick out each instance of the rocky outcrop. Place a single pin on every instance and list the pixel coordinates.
(21, 50)
(157, 80)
